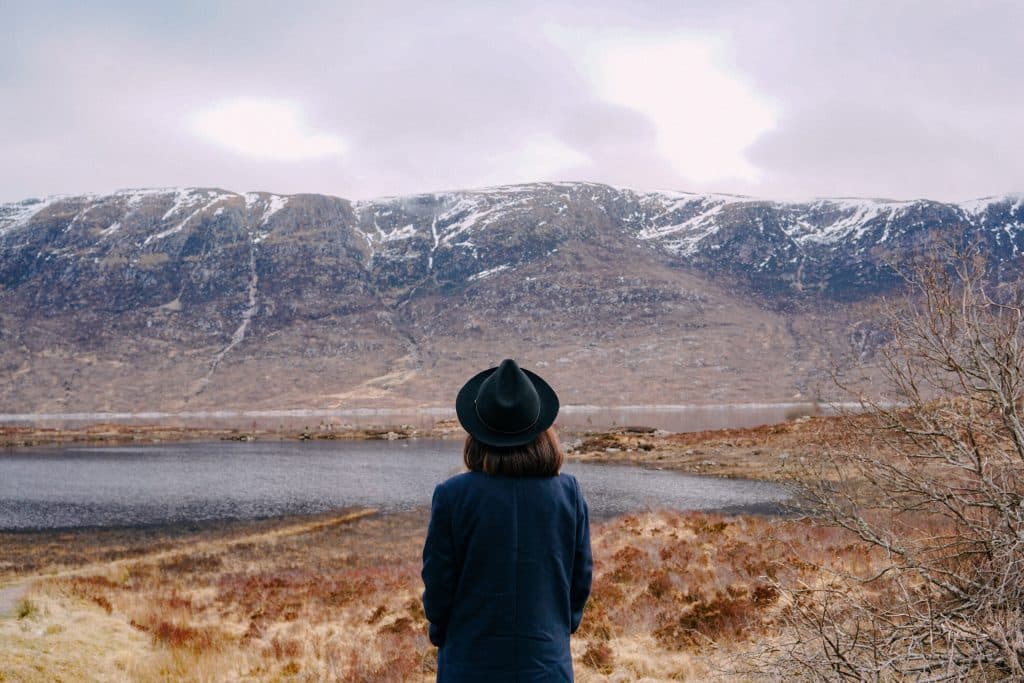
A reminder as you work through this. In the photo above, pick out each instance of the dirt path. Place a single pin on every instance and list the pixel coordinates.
(12, 593)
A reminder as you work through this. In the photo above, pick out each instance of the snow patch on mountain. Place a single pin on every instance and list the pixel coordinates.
(471, 217)
(489, 272)
(403, 233)
(275, 203)
(16, 215)
(135, 196)
(111, 229)
(684, 238)
(852, 220)
(187, 199)
(182, 198)
(980, 205)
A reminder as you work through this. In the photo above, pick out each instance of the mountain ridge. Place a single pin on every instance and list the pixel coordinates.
(524, 186)
(172, 297)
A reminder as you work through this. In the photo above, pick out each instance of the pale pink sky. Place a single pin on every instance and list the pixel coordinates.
(787, 99)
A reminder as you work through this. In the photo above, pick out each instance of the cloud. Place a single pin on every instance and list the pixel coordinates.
(769, 98)
(904, 99)
(261, 128)
(867, 148)
(703, 117)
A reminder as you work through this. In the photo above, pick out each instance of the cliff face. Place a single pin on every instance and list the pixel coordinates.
(202, 298)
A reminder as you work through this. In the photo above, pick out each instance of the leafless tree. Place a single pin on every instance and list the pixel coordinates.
(929, 478)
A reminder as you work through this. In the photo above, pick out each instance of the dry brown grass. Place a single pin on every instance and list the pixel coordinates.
(678, 596)
(764, 452)
(327, 599)
(675, 597)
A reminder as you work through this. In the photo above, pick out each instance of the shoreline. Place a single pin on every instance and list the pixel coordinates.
(121, 434)
(747, 452)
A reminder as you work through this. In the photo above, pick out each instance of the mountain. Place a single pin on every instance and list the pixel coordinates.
(202, 298)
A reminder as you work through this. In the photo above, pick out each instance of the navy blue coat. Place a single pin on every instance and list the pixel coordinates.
(506, 572)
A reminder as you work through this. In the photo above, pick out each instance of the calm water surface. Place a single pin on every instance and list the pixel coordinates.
(674, 418)
(78, 486)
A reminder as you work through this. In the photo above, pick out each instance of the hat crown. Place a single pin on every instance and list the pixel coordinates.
(507, 401)
(506, 406)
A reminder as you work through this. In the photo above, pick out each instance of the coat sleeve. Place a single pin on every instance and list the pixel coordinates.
(583, 562)
(439, 569)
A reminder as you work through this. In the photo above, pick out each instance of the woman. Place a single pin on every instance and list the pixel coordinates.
(506, 562)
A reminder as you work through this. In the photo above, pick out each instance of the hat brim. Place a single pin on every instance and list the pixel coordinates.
(465, 408)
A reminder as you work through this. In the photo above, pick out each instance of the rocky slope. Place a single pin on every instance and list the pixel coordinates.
(203, 298)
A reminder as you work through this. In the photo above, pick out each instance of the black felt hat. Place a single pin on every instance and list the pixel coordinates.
(506, 405)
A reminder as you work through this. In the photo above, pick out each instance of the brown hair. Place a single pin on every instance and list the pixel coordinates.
(542, 457)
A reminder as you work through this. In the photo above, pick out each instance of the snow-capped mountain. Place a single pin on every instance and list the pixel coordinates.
(184, 283)
(839, 247)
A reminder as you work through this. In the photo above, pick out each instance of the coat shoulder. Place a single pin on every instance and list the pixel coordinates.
(568, 478)
(569, 481)
(457, 482)
(452, 487)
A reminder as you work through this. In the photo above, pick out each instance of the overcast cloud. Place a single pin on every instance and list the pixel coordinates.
(794, 99)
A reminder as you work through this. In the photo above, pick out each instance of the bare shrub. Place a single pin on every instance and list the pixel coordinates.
(197, 639)
(285, 648)
(94, 589)
(399, 663)
(598, 656)
(932, 477)
(185, 563)
(25, 609)
(707, 619)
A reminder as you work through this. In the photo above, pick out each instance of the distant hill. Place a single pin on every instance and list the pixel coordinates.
(201, 298)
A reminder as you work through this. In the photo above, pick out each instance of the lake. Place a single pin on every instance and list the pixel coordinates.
(674, 418)
(82, 486)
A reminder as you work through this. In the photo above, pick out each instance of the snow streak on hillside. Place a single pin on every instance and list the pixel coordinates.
(458, 236)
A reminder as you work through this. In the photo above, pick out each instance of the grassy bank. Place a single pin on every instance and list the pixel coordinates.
(676, 597)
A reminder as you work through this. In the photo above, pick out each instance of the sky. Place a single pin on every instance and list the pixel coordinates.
(785, 100)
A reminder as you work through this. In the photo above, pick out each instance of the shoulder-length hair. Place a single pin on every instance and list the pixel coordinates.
(542, 457)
